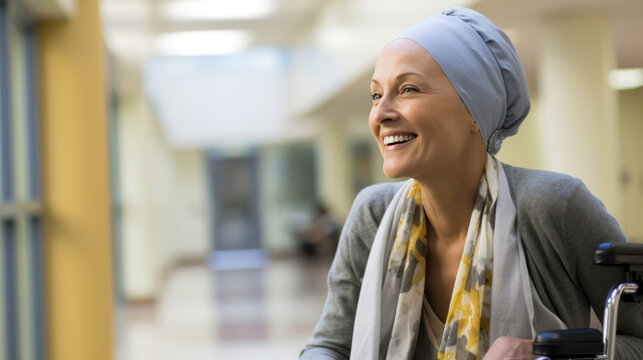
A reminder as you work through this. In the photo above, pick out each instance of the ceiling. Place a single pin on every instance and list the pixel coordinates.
(142, 19)
(131, 25)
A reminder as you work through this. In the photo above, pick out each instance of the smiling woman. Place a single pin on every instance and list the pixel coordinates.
(411, 95)
(470, 258)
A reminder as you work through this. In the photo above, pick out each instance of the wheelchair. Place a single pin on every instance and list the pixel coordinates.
(591, 343)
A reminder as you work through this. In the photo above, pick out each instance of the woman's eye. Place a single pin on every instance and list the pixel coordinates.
(376, 96)
(408, 90)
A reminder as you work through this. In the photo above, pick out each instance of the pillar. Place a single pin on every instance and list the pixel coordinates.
(334, 167)
(579, 110)
(76, 188)
(631, 121)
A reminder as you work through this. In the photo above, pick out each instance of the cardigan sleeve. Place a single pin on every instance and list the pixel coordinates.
(587, 224)
(333, 334)
(561, 223)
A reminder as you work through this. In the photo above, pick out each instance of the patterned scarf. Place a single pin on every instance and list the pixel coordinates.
(466, 334)
(466, 331)
(478, 314)
(467, 324)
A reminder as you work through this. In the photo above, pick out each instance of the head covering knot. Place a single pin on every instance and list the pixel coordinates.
(481, 63)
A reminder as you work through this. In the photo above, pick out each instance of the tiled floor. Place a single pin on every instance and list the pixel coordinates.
(264, 313)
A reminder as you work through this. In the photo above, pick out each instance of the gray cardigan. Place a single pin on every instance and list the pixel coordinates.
(560, 224)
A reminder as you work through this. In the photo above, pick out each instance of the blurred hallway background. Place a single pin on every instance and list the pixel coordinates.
(174, 173)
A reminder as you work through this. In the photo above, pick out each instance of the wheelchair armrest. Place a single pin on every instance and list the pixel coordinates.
(627, 255)
(619, 254)
(568, 344)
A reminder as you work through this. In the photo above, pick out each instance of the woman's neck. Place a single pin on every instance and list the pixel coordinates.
(448, 200)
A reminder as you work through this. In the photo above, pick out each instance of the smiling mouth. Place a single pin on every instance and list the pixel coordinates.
(398, 139)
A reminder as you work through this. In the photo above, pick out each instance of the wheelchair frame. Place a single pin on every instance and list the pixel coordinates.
(565, 344)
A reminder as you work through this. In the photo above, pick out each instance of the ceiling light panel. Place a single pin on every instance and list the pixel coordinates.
(200, 43)
(626, 79)
(217, 9)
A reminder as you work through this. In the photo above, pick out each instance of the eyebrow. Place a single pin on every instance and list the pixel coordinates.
(400, 76)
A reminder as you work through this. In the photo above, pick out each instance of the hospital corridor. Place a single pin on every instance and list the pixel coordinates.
(175, 175)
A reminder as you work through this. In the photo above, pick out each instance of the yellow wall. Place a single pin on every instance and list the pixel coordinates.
(78, 254)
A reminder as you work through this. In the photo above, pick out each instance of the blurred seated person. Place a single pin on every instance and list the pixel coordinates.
(319, 237)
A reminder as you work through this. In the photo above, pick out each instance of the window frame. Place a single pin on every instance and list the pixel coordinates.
(22, 312)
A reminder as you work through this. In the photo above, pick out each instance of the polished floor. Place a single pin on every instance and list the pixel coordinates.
(266, 313)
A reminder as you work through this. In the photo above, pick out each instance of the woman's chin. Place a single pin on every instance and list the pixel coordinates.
(394, 172)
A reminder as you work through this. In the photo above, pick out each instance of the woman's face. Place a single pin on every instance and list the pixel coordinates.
(418, 119)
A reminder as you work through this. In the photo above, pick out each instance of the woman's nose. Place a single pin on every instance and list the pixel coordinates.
(384, 111)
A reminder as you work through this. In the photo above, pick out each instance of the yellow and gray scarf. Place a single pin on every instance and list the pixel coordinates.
(389, 309)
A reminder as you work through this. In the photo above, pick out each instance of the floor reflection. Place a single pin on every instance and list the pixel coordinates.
(266, 313)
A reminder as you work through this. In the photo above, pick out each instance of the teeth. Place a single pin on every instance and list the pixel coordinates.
(397, 138)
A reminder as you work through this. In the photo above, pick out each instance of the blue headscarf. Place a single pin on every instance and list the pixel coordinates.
(482, 64)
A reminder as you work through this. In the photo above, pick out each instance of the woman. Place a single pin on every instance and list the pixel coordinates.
(470, 258)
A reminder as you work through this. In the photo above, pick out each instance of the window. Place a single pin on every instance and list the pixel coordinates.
(21, 302)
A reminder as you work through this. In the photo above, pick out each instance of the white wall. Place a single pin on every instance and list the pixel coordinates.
(164, 200)
(138, 248)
